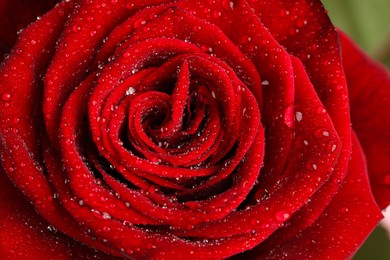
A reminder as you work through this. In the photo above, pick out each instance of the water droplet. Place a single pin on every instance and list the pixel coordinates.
(150, 246)
(139, 23)
(265, 83)
(264, 226)
(106, 229)
(6, 96)
(331, 147)
(311, 166)
(106, 215)
(320, 133)
(217, 14)
(321, 111)
(52, 229)
(284, 13)
(298, 116)
(281, 216)
(231, 4)
(126, 223)
(228, 5)
(130, 5)
(130, 91)
(76, 28)
(289, 116)
(301, 22)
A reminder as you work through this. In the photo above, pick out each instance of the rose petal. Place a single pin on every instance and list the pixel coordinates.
(297, 177)
(369, 90)
(305, 30)
(26, 235)
(20, 149)
(344, 225)
(17, 14)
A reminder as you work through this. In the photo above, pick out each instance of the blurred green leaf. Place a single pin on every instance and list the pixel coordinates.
(376, 247)
(366, 21)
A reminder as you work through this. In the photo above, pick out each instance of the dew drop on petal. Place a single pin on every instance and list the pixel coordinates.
(6, 96)
(76, 28)
(320, 133)
(289, 116)
(130, 91)
(150, 246)
(228, 5)
(321, 111)
(310, 165)
(281, 216)
(217, 14)
(284, 13)
(298, 116)
(52, 229)
(129, 5)
(331, 147)
(106, 229)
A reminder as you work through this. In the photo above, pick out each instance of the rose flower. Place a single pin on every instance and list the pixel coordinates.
(201, 129)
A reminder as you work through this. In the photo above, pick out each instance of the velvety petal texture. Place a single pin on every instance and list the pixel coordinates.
(183, 129)
(15, 15)
(369, 90)
(343, 226)
(25, 235)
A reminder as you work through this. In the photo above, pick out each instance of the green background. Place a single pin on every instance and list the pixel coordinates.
(368, 23)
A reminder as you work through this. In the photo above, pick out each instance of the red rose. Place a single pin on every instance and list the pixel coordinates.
(190, 129)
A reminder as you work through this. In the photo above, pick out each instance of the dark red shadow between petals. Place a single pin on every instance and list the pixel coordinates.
(16, 15)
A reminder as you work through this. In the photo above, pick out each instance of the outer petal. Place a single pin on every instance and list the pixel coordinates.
(17, 14)
(369, 90)
(26, 235)
(343, 226)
